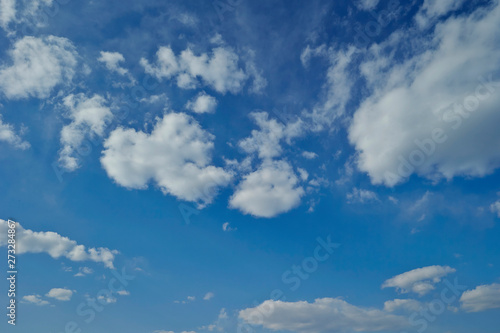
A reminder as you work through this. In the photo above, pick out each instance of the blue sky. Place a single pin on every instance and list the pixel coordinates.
(251, 166)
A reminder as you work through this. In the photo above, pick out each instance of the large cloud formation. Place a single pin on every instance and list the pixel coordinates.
(435, 113)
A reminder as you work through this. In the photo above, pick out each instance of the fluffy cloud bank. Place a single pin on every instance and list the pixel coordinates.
(218, 70)
(324, 315)
(55, 245)
(429, 113)
(420, 280)
(176, 156)
(38, 66)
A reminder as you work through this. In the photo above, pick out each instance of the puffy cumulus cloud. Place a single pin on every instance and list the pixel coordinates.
(202, 103)
(420, 280)
(55, 245)
(8, 135)
(266, 141)
(35, 299)
(361, 196)
(61, 294)
(495, 208)
(89, 118)
(218, 70)
(270, 190)
(324, 315)
(112, 62)
(429, 113)
(405, 305)
(176, 156)
(38, 66)
(433, 9)
(481, 298)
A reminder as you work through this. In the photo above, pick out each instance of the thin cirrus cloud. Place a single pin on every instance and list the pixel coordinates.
(37, 66)
(176, 156)
(323, 315)
(56, 246)
(420, 280)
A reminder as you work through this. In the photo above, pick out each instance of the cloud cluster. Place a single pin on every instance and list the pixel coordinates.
(218, 70)
(176, 156)
(28, 241)
(38, 66)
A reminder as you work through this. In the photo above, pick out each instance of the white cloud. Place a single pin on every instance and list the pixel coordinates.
(22, 11)
(38, 66)
(481, 298)
(61, 294)
(202, 103)
(7, 134)
(123, 292)
(84, 271)
(271, 190)
(361, 196)
(112, 60)
(208, 296)
(28, 241)
(410, 123)
(227, 227)
(324, 315)
(309, 155)
(304, 175)
(367, 4)
(7, 12)
(35, 299)
(495, 208)
(433, 9)
(89, 118)
(191, 298)
(175, 156)
(420, 280)
(406, 305)
(219, 70)
(266, 141)
(337, 89)
(107, 299)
